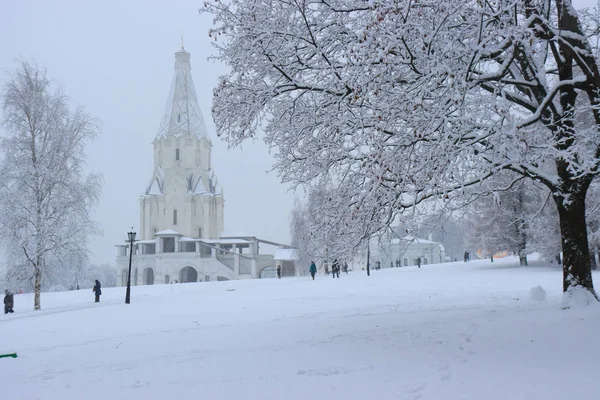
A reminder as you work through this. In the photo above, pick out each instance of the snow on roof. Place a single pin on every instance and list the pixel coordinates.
(187, 239)
(413, 239)
(194, 181)
(224, 241)
(236, 235)
(209, 241)
(157, 182)
(167, 232)
(199, 188)
(147, 241)
(286, 254)
(154, 188)
(232, 241)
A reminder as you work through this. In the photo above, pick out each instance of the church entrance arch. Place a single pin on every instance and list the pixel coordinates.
(124, 277)
(188, 274)
(148, 276)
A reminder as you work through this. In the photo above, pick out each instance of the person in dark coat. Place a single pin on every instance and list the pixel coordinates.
(279, 272)
(97, 290)
(313, 270)
(335, 268)
(345, 268)
(8, 302)
(419, 262)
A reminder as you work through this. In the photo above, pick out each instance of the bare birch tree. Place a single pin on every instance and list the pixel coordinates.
(45, 196)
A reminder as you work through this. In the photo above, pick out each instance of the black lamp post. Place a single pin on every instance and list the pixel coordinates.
(368, 258)
(131, 236)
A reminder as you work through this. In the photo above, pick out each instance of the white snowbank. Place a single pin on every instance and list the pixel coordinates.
(451, 331)
(578, 297)
(537, 293)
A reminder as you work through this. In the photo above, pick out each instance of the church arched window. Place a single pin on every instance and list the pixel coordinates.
(176, 154)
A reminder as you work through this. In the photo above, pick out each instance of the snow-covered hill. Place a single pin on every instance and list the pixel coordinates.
(449, 331)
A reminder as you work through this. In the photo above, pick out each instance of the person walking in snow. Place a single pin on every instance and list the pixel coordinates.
(279, 272)
(313, 269)
(335, 268)
(345, 269)
(97, 290)
(419, 262)
(8, 302)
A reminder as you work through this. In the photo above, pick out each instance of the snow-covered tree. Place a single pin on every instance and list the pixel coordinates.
(398, 102)
(593, 219)
(105, 273)
(302, 238)
(502, 220)
(316, 231)
(45, 196)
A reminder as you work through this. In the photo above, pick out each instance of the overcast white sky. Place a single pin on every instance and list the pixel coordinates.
(116, 58)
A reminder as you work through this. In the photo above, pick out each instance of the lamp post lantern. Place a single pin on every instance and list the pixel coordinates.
(131, 237)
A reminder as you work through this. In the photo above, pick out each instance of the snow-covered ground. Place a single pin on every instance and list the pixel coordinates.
(449, 331)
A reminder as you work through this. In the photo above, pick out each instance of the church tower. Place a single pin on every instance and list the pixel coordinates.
(183, 194)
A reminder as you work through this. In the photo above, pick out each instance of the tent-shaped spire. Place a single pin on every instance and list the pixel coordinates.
(182, 114)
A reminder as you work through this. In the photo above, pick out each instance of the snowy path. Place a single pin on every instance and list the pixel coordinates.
(443, 332)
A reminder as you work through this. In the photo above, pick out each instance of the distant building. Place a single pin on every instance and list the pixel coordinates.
(182, 208)
(404, 252)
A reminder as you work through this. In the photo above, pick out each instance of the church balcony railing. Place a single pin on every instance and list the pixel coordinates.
(227, 259)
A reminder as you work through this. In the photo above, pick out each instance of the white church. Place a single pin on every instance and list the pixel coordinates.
(182, 208)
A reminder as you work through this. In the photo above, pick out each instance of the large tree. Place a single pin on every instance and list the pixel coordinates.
(45, 196)
(399, 102)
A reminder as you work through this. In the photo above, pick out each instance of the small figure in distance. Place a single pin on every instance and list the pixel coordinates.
(8, 302)
(97, 290)
(313, 270)
(279, 272)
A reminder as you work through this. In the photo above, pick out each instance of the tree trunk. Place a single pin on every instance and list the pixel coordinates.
(37, 288)
(523, 259)
(521, 226)
(576, 253)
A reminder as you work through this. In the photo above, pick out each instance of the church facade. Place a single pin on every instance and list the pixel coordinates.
(182, 208)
